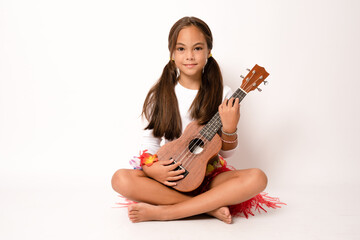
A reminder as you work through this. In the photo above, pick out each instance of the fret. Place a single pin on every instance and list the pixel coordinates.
(213, 126)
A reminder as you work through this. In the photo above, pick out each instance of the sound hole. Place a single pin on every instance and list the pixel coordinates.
(196, 146)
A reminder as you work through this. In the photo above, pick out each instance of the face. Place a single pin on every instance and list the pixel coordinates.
(191, 52)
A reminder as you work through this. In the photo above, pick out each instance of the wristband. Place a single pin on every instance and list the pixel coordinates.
(233, 141)
(229, 134)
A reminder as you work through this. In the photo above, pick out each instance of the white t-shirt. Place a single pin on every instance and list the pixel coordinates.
(185, 98)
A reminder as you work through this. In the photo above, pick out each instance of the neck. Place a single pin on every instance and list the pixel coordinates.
(190, 82)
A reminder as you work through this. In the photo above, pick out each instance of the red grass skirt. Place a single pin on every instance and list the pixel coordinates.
(246, 208)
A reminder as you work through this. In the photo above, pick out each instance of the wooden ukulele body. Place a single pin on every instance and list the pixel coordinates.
(186, 150)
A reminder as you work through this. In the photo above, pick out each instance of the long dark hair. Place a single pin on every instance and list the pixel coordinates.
(161, 106)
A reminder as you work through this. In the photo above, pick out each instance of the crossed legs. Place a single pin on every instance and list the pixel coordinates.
(158, 202)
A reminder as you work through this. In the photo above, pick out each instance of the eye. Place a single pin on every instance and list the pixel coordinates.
(180, 49)
(198, 48)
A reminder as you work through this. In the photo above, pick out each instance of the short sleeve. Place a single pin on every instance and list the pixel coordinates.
(227, 92)
(149, 142)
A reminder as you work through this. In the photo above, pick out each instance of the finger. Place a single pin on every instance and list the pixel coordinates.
(176, 173)
(174, 166)
(231, 102)
(237, 101)
(170, 184)
(166, 162)
(237, 104)
(176, 178)
(224, 103)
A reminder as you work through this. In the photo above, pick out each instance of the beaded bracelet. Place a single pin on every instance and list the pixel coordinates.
(229, 134)
(233, 141)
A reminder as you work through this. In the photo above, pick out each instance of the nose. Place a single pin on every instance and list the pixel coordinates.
(190, 55)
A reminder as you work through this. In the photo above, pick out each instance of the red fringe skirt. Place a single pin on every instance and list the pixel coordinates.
(246, 208)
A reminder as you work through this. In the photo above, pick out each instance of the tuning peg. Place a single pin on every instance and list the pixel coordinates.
(248, 69)
(259, 89)
(242, 76)
(266, 83)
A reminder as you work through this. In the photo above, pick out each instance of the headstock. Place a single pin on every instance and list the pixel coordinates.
(254, 78)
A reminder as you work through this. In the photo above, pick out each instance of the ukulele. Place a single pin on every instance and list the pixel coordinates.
(201, 143)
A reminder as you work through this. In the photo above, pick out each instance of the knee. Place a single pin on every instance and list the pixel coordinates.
(259, 178)
(121, 181)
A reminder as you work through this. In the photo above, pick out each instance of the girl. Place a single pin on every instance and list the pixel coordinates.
(190, 88)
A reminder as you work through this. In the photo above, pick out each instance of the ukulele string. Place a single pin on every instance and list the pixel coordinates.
(188, 159)
(189, 150)
(199, 138)
(183, 156)
(192, 154)
(212, 127)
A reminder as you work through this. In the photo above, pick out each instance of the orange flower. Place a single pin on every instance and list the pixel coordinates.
(147, 159)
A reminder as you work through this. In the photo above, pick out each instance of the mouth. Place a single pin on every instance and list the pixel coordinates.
(189, 65)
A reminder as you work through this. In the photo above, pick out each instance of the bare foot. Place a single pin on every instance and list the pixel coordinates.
(222, 214)
(141, 212)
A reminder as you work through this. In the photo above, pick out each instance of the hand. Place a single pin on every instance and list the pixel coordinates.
(229, 112)
(164, 173)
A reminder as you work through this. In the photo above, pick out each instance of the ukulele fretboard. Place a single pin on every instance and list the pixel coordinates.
(213, 126)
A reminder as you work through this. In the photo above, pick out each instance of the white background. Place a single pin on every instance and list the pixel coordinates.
(74, 75)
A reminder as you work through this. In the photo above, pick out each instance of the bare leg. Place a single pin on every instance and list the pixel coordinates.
(135, 185)
(227, 188)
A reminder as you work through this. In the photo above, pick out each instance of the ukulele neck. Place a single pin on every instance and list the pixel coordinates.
(213, 126)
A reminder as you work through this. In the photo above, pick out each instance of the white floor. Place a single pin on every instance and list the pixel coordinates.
(72, 210)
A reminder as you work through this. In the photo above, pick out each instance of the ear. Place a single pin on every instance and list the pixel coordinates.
(209, 55)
